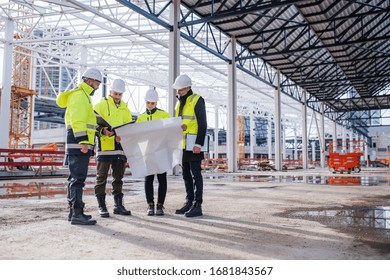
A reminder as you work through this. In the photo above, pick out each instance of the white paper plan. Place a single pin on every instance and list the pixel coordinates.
(152, 147)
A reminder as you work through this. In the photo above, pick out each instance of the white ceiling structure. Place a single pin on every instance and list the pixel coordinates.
(124, 43)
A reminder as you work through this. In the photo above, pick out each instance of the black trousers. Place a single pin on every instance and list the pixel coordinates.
(193, 181)
(162, 188)
(78, 168)
(118, 170)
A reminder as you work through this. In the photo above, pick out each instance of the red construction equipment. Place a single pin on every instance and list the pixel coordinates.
(355, 181)
(340, 160)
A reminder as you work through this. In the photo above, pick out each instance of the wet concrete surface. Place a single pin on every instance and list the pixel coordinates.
(247, 215)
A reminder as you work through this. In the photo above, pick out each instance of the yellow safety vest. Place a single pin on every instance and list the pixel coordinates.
(157, 115)
(188, 116)
(115, 116)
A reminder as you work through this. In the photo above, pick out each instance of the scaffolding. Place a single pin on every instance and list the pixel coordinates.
(21, 118)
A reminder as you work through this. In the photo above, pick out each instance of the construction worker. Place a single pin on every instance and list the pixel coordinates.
(191, 108)
(110, 153)
(81, 127)
(153, 113)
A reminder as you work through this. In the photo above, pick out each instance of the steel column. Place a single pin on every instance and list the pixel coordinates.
(5, 110)
(278, 124)
(232, 110)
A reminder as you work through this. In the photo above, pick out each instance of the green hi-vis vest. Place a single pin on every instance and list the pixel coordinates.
(188, 116)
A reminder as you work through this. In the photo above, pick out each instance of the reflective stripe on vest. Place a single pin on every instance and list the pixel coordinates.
(77, 146)
(80, 134)
(88, 126)
(110, 153)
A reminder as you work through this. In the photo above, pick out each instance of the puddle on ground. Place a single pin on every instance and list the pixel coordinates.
(317, 180)
(43, 190)
(377, 217)
(51, 189)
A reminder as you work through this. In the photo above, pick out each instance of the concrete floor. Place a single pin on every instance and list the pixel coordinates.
(297, 214)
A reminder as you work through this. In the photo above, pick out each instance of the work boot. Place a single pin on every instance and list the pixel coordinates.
(150, 211)
(119, 208)
(195, 211)
(159, 210)
(88, 217)
(79, 219)
(103, 212)
(184, 209)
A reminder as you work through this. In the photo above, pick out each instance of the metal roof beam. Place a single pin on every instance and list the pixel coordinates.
(237, 11)
(260, 53)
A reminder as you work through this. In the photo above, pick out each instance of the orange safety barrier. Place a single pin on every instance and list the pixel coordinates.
(25, 158)
(344, 181)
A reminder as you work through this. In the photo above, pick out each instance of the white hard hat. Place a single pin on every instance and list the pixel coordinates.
(151, 95)
(93, 73)
(182, 81)
(118, 85)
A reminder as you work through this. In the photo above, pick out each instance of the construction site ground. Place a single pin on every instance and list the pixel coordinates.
(248, 215)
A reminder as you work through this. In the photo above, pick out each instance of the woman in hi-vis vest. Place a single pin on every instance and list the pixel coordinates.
(154, 113)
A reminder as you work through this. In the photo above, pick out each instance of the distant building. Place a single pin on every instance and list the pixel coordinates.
(51, 77)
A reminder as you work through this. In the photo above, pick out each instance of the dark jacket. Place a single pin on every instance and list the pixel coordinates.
(201, 117)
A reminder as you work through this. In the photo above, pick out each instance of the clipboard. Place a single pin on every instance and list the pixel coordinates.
(104, 123)
(190, 142)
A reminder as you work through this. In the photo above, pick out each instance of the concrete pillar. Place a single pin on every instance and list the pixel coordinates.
(5, 102)
(252, 139)
(232, 110)
(322, 136)
(216, 131)
(344, 140)
(334, 133)
(304, 132)
(174, 54)
(284, 154)
(295, 144)
(174, 61)
(269, 136)
(278, 124)
(366, 150)
(313, 149)
(351, 143)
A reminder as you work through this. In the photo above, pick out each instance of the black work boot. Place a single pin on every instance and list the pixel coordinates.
(79, 219)
(159, 210)
(103, 212)
(195, 211)
(88, 217)
(184, 209)
(150, 211)
(119, 208)
(70, 211)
